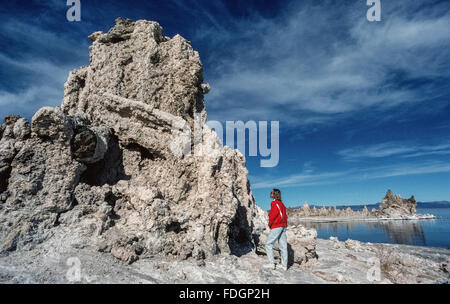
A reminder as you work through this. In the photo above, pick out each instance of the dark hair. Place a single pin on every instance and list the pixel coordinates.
(277, 194)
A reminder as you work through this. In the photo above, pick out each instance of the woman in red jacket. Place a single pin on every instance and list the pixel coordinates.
(277, 225)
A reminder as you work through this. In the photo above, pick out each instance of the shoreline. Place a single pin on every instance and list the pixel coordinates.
(362, 219)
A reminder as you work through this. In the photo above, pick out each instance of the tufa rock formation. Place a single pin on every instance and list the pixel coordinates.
(111, 169)
(306, 212)
(391, 207)
(394, 205)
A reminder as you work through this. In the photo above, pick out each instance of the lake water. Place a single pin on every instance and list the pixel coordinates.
(433, 233)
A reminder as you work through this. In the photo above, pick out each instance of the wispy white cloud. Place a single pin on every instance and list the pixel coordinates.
(40, 70)
(28, 101)
(443, 149)
(404, 169)
(299, 180)
(391, 149)
(44, 88)
(351, 175)
(375, 151)
(285, 67)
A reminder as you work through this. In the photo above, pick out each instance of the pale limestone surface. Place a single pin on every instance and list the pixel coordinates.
(105, 173)
(348, 262)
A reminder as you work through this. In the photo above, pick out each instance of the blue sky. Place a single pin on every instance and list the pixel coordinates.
(363, 106)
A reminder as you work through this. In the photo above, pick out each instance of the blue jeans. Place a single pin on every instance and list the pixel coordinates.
(280, 235)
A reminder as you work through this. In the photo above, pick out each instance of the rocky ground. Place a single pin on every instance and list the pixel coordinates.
(339, 262)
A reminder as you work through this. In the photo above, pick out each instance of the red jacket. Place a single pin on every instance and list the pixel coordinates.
(277, 215)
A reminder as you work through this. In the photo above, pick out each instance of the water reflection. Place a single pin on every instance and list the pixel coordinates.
(398, 232)
(404, 232)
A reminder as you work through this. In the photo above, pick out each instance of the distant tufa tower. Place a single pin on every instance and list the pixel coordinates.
(395, 205)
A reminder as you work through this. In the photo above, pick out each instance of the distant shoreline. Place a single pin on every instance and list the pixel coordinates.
(420, 205)
(318, 219)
